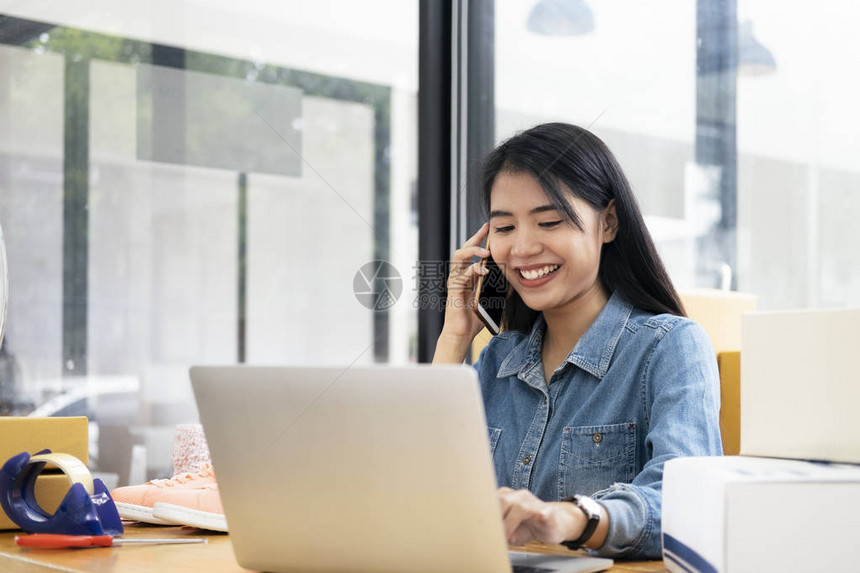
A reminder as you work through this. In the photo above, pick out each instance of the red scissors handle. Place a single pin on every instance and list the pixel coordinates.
(55, 541)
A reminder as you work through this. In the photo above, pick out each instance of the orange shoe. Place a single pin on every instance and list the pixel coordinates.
(135, 501)
(196, 507)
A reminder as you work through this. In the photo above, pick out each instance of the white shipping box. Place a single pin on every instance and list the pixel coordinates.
(738, 514)
(800, 385)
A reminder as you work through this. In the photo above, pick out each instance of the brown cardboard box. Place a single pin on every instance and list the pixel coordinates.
(730, 401)
(65, 435)
(719, 313)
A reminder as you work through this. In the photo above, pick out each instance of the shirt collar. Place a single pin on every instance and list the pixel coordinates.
(593, 353)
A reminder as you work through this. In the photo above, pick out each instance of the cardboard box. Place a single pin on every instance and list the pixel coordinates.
(740, 514)
(65, 435)
(719, 313)
(801, 385)
(729, 363)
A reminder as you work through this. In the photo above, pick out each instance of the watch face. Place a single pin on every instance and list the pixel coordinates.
(588, 505)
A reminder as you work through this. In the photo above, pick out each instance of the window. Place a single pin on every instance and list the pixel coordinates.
(734, 123)
(199, 183)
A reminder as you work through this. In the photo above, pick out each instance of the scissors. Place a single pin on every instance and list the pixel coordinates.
(58, 541)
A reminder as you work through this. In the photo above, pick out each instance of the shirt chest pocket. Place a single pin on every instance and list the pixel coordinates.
(594, 457)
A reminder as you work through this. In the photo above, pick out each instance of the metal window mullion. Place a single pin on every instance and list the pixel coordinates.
(76, 173)
(716, 122)
(480, 128)
(434, 161)
(459, 121)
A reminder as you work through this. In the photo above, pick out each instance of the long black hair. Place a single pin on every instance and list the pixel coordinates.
(567, 158)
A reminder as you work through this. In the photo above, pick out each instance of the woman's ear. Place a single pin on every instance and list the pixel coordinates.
(609, 220)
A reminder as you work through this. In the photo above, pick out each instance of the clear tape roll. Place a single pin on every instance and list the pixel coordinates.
(74, 468)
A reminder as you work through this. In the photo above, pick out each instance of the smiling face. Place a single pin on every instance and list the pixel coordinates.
(550, 262)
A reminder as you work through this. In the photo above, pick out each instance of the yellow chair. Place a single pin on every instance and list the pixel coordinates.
(719, 313)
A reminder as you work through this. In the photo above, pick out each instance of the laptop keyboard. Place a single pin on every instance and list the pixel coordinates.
(530, 569)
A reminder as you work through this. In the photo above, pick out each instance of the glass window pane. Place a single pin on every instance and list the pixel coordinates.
(189, 183)
(600, 65)
(734, 121)
(799, 182)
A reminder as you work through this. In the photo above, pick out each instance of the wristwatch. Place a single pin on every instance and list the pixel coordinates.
(591, 509)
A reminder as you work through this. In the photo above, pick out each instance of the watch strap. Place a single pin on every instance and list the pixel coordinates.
(590, 525)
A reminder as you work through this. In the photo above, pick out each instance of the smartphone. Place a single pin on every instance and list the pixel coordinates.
(490, 295)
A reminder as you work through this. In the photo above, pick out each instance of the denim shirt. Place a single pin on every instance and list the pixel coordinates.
(638, 389)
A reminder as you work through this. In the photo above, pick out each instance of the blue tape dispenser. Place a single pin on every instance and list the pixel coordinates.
(87, 508)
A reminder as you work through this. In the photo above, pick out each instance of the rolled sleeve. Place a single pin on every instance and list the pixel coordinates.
(634, 521)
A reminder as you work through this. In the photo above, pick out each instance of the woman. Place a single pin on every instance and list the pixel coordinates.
(598, 378)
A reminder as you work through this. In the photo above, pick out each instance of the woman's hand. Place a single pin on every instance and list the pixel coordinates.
(528, 518)
(461, 323)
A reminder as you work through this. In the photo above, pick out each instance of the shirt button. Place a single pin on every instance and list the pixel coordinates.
(526, 460)
(597, 437)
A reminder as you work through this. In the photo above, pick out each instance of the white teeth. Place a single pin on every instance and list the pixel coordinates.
(538, 273)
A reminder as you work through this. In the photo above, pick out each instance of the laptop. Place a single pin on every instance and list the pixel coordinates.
(360, 469)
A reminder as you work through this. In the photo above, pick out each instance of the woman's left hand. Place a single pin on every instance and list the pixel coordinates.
(527, 518)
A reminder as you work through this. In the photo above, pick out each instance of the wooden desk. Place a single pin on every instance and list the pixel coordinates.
(213, 557)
